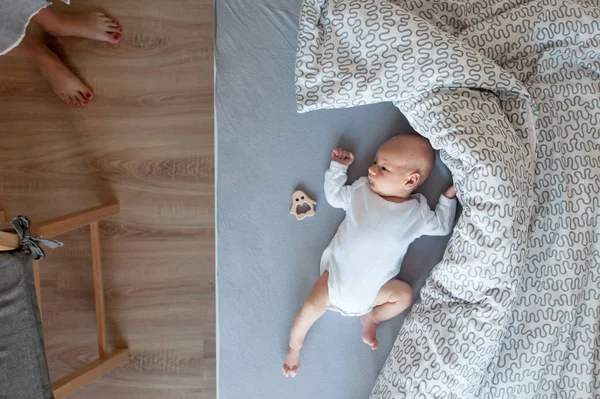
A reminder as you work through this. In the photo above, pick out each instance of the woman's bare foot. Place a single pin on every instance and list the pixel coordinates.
(89, 25)
(369, 336)
(64, 83)
(292, 363)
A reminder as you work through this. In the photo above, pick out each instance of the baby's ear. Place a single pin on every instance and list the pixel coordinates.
(413, 180)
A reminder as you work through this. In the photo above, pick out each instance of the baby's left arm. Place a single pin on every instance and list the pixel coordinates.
(439, 223)
(336, 191)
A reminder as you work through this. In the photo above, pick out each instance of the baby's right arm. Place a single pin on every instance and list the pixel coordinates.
(336, 192)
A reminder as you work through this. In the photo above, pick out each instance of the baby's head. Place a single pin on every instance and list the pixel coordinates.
(401, 165)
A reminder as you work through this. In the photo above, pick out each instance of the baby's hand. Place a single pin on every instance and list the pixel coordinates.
(450, 192)
(342, 156)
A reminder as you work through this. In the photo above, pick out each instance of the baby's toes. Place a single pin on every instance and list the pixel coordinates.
(293, 371)
(290, 371)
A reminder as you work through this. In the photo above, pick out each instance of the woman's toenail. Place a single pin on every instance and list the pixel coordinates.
(88, 95)
(116, 37)
(84, 102)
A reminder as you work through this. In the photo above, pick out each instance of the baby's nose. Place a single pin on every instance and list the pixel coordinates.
(372, 170)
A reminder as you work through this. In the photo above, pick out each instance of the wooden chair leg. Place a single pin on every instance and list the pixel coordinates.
(73, 382)
(107, 361)
(98, 289)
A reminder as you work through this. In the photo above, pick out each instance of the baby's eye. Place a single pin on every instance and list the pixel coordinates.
(383, 168)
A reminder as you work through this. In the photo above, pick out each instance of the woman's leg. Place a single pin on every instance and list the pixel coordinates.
(64, 83)
(313, 308)
(88, 25)
(393, 298)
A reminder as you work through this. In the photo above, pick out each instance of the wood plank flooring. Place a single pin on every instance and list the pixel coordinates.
(147, 141)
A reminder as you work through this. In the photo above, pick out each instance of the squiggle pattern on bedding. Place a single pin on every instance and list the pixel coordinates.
(508, 91)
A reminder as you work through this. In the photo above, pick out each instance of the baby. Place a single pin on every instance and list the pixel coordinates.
(383, 217)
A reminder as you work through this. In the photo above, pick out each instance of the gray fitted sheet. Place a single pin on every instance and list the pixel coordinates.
(267, 261)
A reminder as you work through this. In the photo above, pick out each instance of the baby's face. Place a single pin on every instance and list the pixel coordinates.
(393, 172)
(387, 174)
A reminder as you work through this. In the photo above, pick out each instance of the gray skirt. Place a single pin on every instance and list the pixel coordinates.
(14, 18)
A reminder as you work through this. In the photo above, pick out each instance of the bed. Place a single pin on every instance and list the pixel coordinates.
(507, 91)
(267, 260)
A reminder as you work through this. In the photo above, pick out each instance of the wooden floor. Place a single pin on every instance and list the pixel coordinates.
(147, 141)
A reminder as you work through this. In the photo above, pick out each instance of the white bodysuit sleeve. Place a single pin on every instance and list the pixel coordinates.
(438, 223)
(336, 192)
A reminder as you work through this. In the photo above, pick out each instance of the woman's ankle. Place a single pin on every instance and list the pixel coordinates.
(51, 22)
(30, 49)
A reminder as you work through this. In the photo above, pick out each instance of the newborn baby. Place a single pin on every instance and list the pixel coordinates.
(383, 217)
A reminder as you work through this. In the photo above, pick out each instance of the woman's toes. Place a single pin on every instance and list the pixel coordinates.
(81, 99)
(113, 31)
(111, 21)
(113, 37)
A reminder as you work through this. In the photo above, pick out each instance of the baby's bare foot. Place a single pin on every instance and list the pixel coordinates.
(369, 331)
(292, 363)
(89, 25)
(64, 83)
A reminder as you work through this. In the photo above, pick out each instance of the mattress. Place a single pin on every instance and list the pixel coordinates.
(267, 261)
(508, 91)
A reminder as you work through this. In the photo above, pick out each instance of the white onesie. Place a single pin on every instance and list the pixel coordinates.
(370, 244)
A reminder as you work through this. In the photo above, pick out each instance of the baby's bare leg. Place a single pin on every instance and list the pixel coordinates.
(313, 308)
(393, 298)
